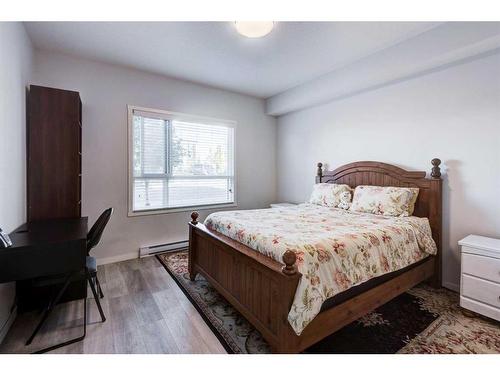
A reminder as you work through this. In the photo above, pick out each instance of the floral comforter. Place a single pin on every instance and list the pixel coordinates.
(336, 249)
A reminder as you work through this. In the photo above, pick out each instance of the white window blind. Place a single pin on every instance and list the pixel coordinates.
(180, 162)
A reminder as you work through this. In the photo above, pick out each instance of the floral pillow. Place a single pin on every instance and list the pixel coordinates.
(384, 200)
(331, 195)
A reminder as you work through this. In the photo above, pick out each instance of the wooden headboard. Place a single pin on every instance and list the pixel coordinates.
(381, 174)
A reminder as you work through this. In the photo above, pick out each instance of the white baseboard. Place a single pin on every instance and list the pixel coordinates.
(8, 324)
(452, 286)
(118, 258)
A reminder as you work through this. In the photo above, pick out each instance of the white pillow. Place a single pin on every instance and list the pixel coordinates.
(384, 200)
(331, 195)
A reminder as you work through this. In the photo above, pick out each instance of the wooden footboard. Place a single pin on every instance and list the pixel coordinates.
(260, 288)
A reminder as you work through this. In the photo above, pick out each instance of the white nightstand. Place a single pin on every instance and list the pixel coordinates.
(480, 278)
(282, 205)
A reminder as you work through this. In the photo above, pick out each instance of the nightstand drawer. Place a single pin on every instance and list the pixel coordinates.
(481, 290)
(480, 266)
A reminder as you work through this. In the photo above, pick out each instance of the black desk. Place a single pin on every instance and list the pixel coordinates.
(43, 248)
(46, 248)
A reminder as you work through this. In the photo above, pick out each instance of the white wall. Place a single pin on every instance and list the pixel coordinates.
(453, 114)
(15, 70)
(437, 47)
(105, 91)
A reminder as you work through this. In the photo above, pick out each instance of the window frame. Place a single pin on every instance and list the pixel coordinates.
(181, 117)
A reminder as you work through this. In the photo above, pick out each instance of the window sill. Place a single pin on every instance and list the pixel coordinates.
(163, 211)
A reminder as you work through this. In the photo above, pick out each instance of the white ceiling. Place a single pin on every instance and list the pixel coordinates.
(212, 53)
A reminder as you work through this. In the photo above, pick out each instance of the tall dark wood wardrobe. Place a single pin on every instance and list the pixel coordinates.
(54, 152)
(54, 174)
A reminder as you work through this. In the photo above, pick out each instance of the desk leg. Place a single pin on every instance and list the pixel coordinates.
(72, 341)
(49, 309)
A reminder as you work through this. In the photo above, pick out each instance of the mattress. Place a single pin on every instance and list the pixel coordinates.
(336, 249)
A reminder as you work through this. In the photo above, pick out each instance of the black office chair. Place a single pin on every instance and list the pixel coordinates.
(89, 274)
(93, 238)
(95, 233)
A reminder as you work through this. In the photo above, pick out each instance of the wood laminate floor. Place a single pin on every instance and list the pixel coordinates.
(146, 313)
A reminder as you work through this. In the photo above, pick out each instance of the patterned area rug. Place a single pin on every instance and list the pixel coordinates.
(423, 320)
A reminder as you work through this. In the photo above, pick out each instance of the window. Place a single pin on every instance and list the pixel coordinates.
(179, 161)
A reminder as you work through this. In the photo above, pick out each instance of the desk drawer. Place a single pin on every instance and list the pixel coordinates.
(481, 290)
(481, 266)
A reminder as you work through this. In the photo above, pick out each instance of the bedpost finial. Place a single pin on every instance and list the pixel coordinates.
(289, 258)
(436, 171)
(320, 170)
(194, 217)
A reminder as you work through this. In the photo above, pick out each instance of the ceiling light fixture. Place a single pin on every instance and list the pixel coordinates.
(254, 29)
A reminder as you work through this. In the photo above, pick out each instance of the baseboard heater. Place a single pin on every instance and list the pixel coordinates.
(147, 251)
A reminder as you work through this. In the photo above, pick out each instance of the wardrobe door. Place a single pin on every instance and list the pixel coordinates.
(54, 153)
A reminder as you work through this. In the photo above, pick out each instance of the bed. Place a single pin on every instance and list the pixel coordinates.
(270, 292)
